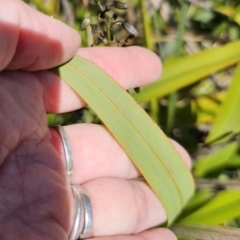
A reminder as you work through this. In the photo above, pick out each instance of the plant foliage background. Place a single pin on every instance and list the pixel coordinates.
(196, 101)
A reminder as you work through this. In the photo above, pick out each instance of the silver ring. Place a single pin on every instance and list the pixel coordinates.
(67, 150)
(83, 225)
(79, 219)
(88, 216)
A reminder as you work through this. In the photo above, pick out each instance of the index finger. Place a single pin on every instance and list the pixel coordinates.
(30, 40)
(130, 67)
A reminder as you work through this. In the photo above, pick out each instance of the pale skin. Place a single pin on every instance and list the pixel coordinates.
(36, 201)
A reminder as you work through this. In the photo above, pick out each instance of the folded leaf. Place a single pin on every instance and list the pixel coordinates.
(223, 207)
(228, 114)
(215, 161)
(181, 72)
(206, 232)
(144, 142)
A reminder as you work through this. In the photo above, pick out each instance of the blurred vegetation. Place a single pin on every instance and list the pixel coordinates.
(197, 99)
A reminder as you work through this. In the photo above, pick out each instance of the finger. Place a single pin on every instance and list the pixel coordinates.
(153, 234)
(184, 154)
(132, 64)
(97, 154)
(130, 67)
(123, 206)
(31, 40)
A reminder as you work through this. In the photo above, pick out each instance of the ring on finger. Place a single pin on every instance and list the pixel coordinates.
(83, 225)
(67, 150)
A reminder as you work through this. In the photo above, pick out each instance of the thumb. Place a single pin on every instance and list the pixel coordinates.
(30, 40)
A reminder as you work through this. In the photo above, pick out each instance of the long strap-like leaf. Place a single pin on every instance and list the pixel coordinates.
(140, 137)
(206, 232)
(181, 72)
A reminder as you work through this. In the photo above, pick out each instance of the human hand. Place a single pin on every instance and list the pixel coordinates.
(36, 201)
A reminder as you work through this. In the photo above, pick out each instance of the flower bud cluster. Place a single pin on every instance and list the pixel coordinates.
(103, 30)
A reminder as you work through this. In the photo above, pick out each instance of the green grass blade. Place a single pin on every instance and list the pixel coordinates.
(215, 161)
(154, 106)
(206, 232)
(140, 137)
(184, 71)
(227, 120)
(223, 207)
(228, 114)
(200, 198)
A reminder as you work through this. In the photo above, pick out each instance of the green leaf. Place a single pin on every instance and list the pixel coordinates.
(206, 232)
(223, 207)
(230, 11)
(228, 114)
(144, 142)
(200, 198)
(181, 72)
(214, 161)
(227, 120)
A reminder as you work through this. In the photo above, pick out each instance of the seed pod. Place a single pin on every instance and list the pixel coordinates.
(120, 5)
(86, 22)
(94, 28)
(130, 29)
(101, 16)
(114, 17)
(97, 41)
(118, 40)
(100, 7)
(104, 40)
(107, 8)
(103, 34)
(129, 37)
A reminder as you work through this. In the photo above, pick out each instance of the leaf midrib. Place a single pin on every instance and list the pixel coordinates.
(125, 117)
